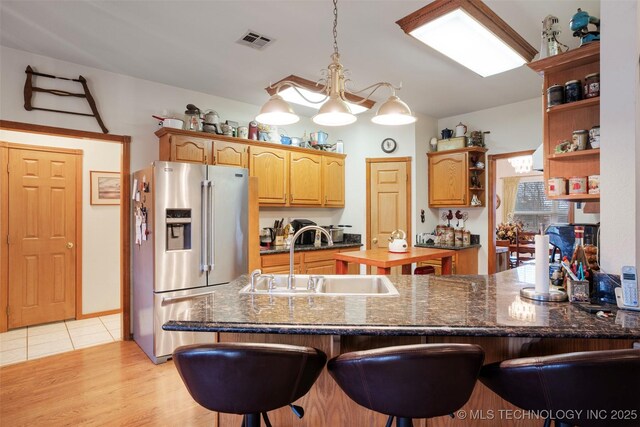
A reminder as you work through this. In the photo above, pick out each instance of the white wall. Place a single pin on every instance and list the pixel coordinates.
(125, 103)
(513, 127)
(426, 128)
(362, 140)
(100, 224)
(620, 134)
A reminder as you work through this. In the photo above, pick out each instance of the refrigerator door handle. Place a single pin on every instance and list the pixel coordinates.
(203, 215)
(211, 229)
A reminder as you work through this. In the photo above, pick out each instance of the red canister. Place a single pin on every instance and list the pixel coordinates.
(578, 185)
(253, 130)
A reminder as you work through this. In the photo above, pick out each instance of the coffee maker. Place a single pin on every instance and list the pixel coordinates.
(306, 238)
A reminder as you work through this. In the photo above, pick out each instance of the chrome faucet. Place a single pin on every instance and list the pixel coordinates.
(290, 281)
(255, 274)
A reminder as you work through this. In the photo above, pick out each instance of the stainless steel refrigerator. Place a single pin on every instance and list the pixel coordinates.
(190, 234)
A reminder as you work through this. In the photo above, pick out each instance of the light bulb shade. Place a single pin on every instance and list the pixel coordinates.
(277, 112)
(393, 112)
(334, 112)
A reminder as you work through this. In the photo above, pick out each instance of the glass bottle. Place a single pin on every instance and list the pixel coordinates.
(192, 120)
(579, 264)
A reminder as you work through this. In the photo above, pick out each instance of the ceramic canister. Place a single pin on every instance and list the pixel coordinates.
(555, 95)
(592, 85)
(578, 185)
(449, 237)
(572, 91)
(557, 186)
(594, 137)
(458, 236)
(580, 138)
(466, 238)
(440, 234)
(594, 184)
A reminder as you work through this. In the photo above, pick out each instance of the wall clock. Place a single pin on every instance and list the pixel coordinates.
(389, 145)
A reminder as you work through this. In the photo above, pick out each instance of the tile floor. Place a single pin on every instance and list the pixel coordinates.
(34, 342)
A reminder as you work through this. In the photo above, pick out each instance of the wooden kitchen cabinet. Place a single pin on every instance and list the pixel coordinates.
(287, 176)
(184, 148)
(271, 167)
(465, 261)
(560, 121)
(230, 154)
(279, 263)
(454, 178)
(319, 262)
(305, 179)
(333, 181)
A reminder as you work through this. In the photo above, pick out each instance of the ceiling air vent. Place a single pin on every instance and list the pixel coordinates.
(255, 40)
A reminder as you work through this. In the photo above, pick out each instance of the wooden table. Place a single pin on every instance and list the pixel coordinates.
(384, 260)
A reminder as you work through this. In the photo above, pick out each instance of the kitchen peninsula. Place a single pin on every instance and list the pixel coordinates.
(485, 310)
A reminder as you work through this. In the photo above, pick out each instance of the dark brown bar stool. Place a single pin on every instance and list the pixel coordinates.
(601, 384)
(248, 379)
(425, 269)
(412, 381)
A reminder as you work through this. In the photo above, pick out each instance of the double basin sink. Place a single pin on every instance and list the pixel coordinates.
(324, 285)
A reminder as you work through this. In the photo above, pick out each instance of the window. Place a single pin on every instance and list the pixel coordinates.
(533, 208)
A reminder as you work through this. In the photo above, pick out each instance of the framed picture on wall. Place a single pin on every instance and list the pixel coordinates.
(105, 188)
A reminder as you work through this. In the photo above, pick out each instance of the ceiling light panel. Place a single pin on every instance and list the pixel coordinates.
(461, 38)
(470, 33)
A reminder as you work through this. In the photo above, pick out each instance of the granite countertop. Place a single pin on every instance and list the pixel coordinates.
(426, 305)
(453, 248)
(306, 248)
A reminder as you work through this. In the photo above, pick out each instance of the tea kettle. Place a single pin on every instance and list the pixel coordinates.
(461, 130)
(398, 241)
(211, 122)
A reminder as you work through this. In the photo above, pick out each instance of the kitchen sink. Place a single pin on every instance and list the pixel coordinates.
(327, 285)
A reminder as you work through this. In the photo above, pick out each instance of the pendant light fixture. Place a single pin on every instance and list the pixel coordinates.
(335, 109)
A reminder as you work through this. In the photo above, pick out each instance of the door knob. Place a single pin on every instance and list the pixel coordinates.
(375, 240)
(69, 245)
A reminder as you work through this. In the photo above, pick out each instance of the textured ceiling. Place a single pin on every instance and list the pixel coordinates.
(192, 44)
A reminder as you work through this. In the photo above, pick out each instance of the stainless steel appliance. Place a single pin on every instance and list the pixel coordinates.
(306, 238)
(190, 234)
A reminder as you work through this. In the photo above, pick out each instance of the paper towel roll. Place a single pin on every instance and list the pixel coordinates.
(542, 264)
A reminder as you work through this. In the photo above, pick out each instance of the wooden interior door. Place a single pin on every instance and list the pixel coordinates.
(42, 234)
(389, 197)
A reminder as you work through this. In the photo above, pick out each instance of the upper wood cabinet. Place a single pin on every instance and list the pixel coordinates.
(333, 181)
(230, 154)
(287, 176)
(181, 148)
(271, 167)
(305, 179)
(560, 121)
(454, 179)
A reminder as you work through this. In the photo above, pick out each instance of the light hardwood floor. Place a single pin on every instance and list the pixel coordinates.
(113, 384)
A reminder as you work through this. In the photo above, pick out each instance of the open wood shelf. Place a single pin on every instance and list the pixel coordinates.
(476, 169)
(583, 103)
(567, 60)
(576, 197)
(476, 189)
(575, 154)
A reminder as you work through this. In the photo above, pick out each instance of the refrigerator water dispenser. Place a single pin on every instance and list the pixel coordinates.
(178, 229)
